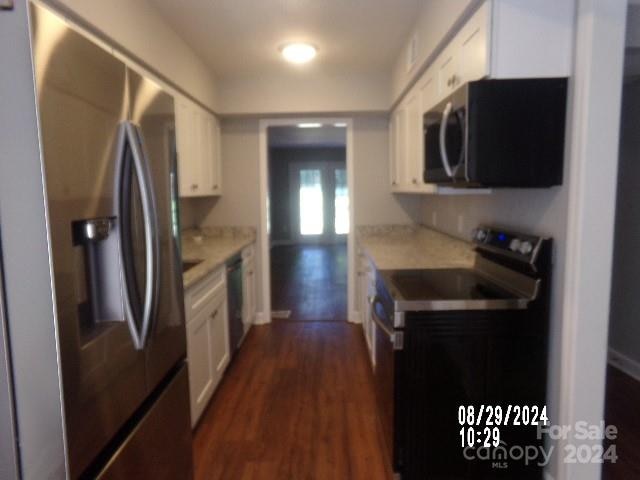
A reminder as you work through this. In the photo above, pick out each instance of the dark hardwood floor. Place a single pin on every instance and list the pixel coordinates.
(622, 409)
(310, 280)
(296, 403)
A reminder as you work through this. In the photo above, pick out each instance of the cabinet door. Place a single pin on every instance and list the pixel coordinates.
(448, 71)
(400, 147)
(185, 143)
(413, 157)
(216, 171)
(474, 47)
(200, 359)
(393, 157)
(205, 152)
(219, 337)
(428, 92)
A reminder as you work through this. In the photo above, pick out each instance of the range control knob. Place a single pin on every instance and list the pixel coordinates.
(526, 248)
(514, 246)
(481, 235)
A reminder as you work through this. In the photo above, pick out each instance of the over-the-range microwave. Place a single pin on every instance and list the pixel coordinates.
(498, 133)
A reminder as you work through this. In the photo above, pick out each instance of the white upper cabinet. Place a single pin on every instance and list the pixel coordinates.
(413, 165)
(502, 39)
(198, 144)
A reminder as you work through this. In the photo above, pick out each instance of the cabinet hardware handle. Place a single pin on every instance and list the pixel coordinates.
(194, 186)
(415, 181)
(215, 187)
(213, 315)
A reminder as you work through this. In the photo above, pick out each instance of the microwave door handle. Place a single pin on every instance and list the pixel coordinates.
(443, 137)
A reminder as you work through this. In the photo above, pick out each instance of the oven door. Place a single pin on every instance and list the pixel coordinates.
(387, 343)
(445, 140)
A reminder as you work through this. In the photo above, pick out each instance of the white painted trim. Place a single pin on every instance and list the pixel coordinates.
(263, 235)
(625, 363)
(261, 319)
(593, 128)
(355, 316)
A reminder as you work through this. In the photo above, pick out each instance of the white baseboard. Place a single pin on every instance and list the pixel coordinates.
(625, 363)
(261, 319)
(354, 317)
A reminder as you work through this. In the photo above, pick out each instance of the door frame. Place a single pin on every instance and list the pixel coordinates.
(264, 251)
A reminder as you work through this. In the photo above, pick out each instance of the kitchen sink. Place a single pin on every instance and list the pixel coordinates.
(189, 264)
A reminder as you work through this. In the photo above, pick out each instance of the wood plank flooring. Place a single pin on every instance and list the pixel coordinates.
(623, 410)
(296, 403)
(310, 280)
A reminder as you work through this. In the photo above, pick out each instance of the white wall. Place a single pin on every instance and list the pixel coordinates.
(434, 23)
(624, 329)
(374, 204)
(136, 26)
(307, 90)
(240, 205)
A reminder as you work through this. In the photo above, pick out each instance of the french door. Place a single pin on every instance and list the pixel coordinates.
(319, 202)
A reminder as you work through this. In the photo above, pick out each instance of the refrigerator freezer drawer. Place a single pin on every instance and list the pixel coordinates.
(159, 447)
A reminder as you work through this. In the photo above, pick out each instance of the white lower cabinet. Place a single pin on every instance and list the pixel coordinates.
(366, 289)
(207, 339)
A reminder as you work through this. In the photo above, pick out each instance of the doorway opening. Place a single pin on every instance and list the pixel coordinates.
(309, 221)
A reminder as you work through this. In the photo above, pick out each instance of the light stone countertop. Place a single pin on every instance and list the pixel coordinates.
(217, 245)
(396, 247)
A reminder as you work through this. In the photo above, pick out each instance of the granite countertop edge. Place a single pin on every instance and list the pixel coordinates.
(215, 247)
(413, 247)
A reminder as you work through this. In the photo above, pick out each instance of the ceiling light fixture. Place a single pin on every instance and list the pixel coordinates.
(340, 125)
(298, 52)
(309, 125)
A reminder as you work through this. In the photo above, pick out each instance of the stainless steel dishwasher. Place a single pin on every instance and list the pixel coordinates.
(234, 301)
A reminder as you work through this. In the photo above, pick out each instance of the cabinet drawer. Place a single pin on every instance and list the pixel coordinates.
(197, 297)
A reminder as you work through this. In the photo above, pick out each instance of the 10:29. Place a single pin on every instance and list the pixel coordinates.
(487, 437)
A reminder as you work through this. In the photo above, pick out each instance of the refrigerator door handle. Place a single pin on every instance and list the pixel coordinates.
(130, 138)
(153, 246)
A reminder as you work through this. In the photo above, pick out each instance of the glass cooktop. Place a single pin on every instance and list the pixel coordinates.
(443, 284)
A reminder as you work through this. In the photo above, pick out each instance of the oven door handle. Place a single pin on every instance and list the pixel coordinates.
(395, 337)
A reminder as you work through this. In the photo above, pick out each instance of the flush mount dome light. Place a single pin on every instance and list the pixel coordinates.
(298, 52)
(309, 125)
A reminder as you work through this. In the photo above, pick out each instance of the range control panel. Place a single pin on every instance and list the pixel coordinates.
(515, 245)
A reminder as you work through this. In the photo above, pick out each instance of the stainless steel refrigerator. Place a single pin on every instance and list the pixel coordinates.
(109, 162)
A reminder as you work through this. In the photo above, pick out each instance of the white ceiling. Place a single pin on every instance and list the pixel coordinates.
(241, 37)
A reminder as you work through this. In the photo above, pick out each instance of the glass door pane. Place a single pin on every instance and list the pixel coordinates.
(341, 202)
(311, 202)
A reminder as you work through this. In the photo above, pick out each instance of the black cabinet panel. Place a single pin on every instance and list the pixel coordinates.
(449, 360)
